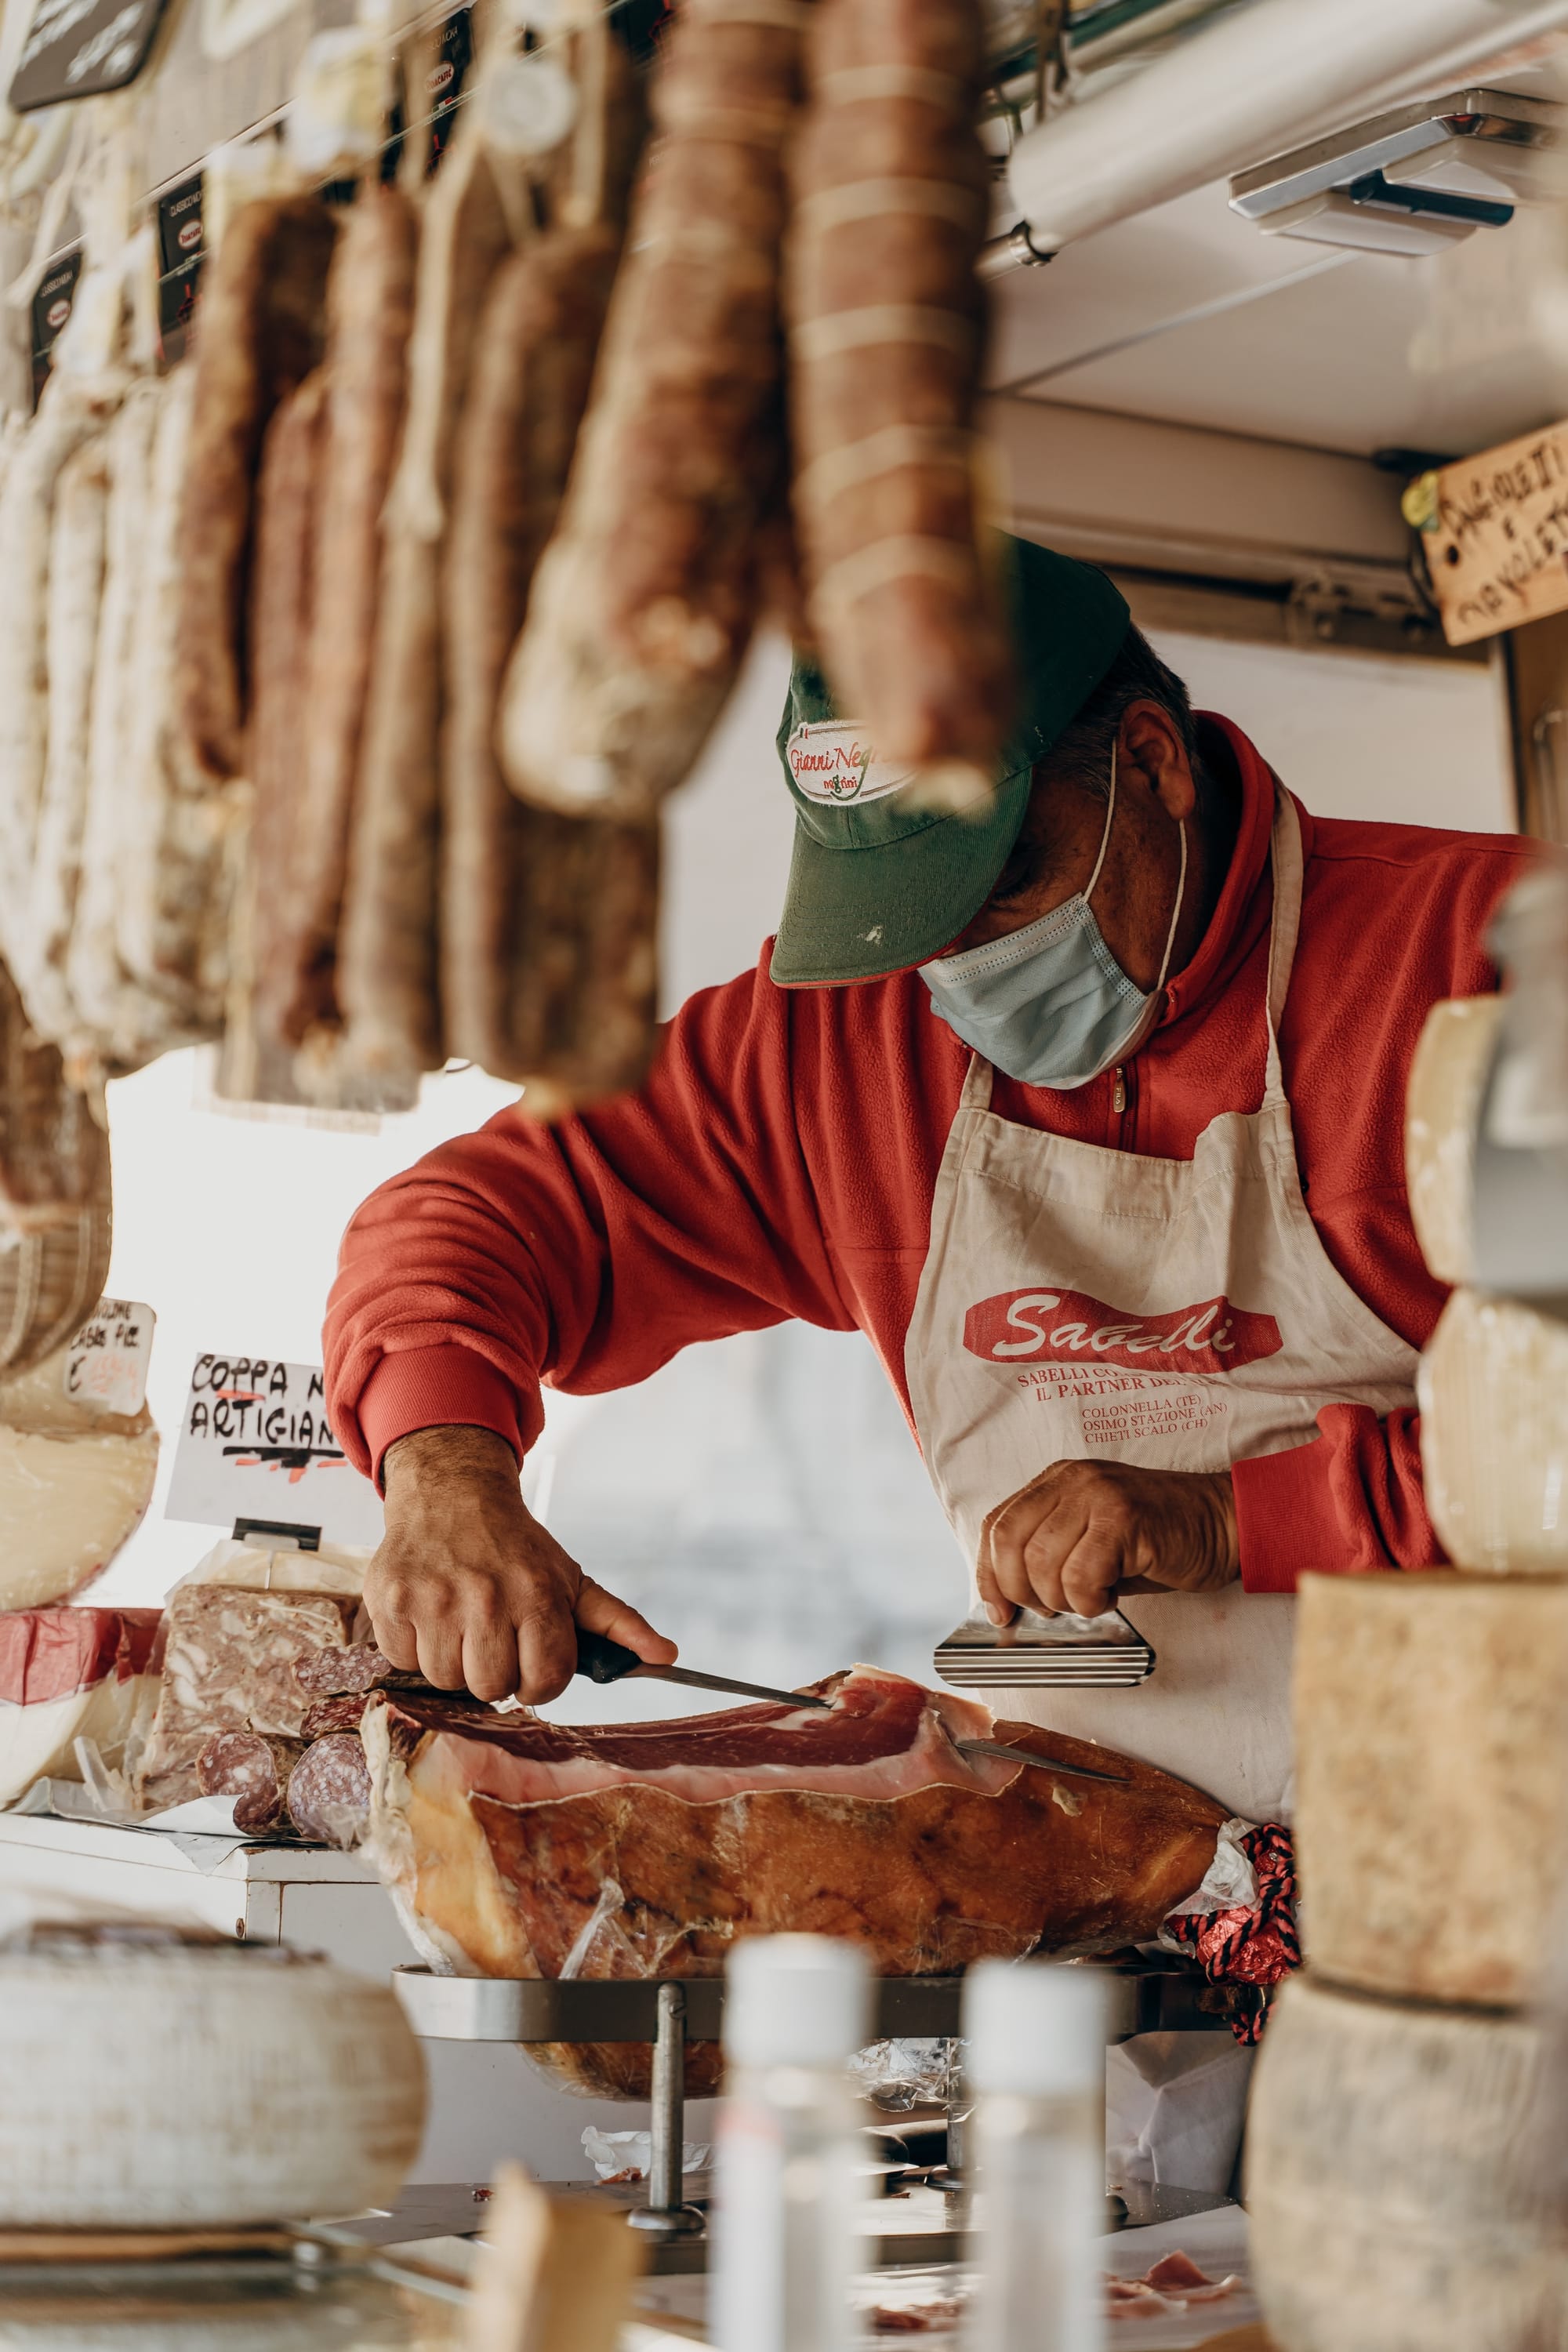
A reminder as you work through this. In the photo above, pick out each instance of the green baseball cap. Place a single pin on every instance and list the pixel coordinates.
(876, 885)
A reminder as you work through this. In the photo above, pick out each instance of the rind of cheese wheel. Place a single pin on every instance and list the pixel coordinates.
(1386, 2214)
(1493, 1391)
(1431, 1724)
(74, 1484)
(1441, 1107)
(69, 1674)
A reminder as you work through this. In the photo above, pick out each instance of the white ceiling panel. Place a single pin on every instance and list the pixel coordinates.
(1192, 315)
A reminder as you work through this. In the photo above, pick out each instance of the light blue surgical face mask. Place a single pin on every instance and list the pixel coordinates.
(1050, 1005)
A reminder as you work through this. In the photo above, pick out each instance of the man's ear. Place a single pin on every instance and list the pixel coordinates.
(1151, 752)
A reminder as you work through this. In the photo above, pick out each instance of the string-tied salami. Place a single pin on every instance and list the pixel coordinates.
(886, 335)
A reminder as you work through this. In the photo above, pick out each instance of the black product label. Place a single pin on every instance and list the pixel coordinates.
(176, 302)
(180, 225)
(51, 309)
(79, 48)
(446, 78)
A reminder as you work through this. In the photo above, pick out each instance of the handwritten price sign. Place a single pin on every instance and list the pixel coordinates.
(106, 1363)
(255, 1443)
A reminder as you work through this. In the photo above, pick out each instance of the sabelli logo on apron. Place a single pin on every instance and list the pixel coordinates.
(1065, 1326)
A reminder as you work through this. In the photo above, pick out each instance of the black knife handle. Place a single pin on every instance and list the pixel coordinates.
(602, 1660)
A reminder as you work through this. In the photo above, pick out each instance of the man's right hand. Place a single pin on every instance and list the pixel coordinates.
(468, 1588)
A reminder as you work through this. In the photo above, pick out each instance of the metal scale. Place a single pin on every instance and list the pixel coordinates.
(1142, 1997)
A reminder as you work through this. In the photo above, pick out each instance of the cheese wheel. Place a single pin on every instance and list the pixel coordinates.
(1386, 2215)
(1431, 1727)
(74, 1484)
(1493, 1391)
(156, 2085)
(1441, 1107)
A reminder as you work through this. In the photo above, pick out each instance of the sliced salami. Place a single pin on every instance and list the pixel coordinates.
(254, 1771)
(328, 1790)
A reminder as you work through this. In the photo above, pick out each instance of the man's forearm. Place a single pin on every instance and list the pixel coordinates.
(428, 1458)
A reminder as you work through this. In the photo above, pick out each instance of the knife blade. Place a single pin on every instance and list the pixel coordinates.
(604, 1660)
(1027, 1756)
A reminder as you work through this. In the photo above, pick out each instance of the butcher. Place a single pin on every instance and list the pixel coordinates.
(1084, 1101)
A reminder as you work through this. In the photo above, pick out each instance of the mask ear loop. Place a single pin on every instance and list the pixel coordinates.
(1181, 876)
(1105, 837)
(1175, 911)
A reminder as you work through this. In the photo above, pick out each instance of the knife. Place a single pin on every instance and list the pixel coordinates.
(604, 1660)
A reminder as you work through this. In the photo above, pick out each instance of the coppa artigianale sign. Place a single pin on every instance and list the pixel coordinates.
(1495, 529)
(261, 1411)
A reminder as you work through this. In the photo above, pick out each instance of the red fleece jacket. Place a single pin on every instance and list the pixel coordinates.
(781, 1160)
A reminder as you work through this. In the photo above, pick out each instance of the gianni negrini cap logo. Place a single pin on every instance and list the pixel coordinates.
(832, 761)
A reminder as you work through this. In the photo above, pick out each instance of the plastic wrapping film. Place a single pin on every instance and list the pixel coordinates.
(237, 1629)
(69, 1676)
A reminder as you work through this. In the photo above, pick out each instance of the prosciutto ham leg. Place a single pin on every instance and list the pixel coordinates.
(522, 1848)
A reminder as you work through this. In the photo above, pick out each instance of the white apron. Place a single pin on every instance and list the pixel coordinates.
(1081, 1303)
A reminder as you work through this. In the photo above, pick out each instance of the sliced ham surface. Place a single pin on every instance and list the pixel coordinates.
(882, 1737)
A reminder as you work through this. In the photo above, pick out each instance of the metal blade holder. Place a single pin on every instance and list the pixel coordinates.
(667, 2214)
(1039, 1650)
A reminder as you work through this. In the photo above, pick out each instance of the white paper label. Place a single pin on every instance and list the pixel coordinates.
(106, 1363)
(255, 1443)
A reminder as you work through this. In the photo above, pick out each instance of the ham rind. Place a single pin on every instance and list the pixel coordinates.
(522, 1848)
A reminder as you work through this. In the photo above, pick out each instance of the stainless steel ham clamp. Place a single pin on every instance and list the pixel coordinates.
(602, 1661)
(1043, 1652)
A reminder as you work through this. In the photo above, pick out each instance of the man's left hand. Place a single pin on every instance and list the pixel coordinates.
(1082, 1532)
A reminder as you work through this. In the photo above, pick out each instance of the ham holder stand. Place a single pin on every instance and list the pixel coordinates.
(1143, 1997)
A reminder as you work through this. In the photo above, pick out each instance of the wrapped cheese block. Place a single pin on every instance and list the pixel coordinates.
(229, 1666)
(1493, 1391)
(1431, 1737)
(1441, 1107)
(1388, 2180)
(159, 2081)
(74, 1484)
(69, 1674)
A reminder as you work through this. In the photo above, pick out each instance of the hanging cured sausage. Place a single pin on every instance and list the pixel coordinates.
(886, 328)
(647, 599)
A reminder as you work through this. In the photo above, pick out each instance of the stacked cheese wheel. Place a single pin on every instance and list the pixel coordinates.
(1400, 2151)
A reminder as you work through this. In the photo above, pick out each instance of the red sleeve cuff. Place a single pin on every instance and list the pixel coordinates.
(1286, 1520)
(435, 1388)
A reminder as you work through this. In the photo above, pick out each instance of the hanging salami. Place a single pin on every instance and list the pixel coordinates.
(256, 1061)
(386, 977)
(647, 597)
(261, 332)
(300, 881)
(886, 326)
